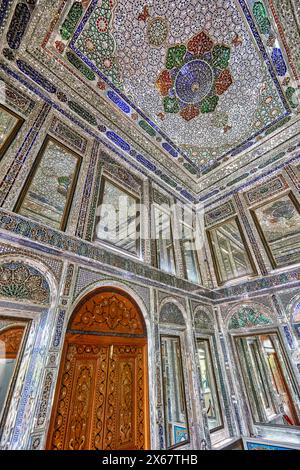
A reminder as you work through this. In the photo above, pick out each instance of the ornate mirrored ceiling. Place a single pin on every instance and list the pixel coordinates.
(191, 90)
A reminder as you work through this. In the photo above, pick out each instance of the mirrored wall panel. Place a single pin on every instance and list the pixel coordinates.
(268, 380)
(209, 387)
(176, 426)
(230, 254)
(49, 190)
(278, 223)
(190, 254)
(164, 240)
(11, 336)
(117, 221)
(10, 123)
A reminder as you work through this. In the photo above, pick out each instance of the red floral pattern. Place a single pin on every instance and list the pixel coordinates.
(164, 82)
(200, 44)
(223, 82)
(190, 112)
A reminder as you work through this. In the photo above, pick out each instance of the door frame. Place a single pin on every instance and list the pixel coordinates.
(102, 339)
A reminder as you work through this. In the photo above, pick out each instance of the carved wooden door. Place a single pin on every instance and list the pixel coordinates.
(101, 399)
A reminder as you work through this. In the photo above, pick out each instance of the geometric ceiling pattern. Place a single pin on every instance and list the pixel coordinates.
(196, 70)
(189, 91)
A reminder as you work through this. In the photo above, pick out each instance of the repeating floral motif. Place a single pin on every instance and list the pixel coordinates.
(12, 337)
(22, 282)
(285, 15)
(196, 75)
(158, 38)
(18, 25)
(221, 212)
(247, 317)
(108, 312)
(237, 42)
(203, 321)
(157, 34)
(99, 43)
(64, 132)
(17, 99)
(46, 390)
(171, 314)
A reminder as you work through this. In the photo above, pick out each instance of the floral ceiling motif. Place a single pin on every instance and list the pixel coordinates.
(178, 87)
(195, 76)
(209, 77)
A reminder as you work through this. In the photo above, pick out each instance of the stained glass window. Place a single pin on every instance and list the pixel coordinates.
(176, 426)
(209, 388)
(9, 125)
(117, 221)
(230, 255)
(279, 226)
(50, 187)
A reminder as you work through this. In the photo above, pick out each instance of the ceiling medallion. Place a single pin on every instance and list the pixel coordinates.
(196, 75)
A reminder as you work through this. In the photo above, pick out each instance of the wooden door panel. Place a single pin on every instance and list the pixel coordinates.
(120, 426)
(100, 392)
(101, 401)
(124, 416)
(77, 435)
(80, 412)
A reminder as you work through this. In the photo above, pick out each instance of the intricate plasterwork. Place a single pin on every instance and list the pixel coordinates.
(22, 282)
(264, 190)
(247, 317)
(54, 265)
(54, 56)
(203, 321)
(171, 314)
(221, 212)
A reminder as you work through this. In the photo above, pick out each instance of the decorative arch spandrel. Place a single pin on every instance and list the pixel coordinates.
(108, 311)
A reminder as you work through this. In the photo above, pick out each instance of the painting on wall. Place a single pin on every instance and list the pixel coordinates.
(10, 123)
(262, 444)
(231, 257)
(48, 192)
(278, 223)
(180, 434)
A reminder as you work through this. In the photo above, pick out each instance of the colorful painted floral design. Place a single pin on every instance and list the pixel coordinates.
(196, 75)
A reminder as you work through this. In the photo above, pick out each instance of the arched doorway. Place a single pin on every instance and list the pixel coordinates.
(101, 398)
